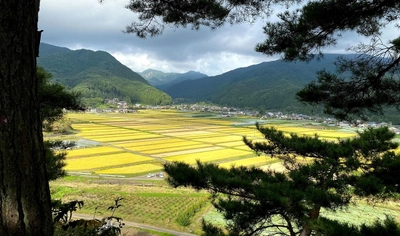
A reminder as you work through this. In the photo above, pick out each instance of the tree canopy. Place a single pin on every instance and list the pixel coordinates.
(367, 83)
(154, 15)
(54, 98)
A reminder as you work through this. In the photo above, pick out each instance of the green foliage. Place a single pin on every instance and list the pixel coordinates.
(184, 217)
(333, 228)
(96, 86)
(62, 126)
(55, 158)
(305, 31)
(195, 13)
(209, 229)
(63, 211)
(253, 201)
(366, 83)
(54, 98)
(388, 227)
(364, 92)
(108, 226)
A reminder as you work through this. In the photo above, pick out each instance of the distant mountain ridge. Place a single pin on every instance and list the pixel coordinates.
(98, 76)
(164, 80)
(268, 85)
(265, 86)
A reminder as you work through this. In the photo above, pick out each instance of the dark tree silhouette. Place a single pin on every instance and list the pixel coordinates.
(25, 207)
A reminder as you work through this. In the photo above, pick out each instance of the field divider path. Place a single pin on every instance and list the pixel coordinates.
(138, 153)
(136, 225)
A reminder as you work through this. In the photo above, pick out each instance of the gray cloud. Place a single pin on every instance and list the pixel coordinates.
(88, 24)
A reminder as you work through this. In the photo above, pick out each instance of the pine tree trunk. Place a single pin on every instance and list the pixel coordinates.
(314, 214)
(24, 189)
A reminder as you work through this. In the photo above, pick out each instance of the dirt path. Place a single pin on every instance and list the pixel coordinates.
(137, 225)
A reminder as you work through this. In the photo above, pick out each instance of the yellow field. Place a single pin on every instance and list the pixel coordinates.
(233, 144)
(157, 136)
(253, 161)
(92, 151)
(145, 142)
(164, 146)
(329, 134)
(220, 139)
(209, 156)
(124, 137)
(94, 162)
(195, 151)
(189, 133)
(143, 168)
(175, 149)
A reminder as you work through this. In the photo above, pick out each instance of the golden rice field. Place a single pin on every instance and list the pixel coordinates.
(131, 169)
(138, 143)
(255, 161)
(100, 150)
(211, 156)
(104, 161)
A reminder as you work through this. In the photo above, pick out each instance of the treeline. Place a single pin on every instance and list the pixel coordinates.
(97, 88)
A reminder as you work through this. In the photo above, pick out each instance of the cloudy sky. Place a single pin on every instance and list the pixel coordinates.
(77, 24)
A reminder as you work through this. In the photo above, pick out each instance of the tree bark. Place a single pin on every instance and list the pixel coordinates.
(314, 214)
(24, 190)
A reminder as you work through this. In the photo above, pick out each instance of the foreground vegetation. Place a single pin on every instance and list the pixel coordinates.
(151, 202)
(154, 202)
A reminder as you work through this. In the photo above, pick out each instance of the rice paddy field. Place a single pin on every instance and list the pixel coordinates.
(135, 144)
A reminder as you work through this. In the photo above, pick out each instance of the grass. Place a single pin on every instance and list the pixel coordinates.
(369, 212)
(150, 202)
(358, 214)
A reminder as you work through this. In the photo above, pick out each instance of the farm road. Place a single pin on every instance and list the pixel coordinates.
(137, 225)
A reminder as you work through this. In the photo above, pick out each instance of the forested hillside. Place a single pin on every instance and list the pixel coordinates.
(163, 80)
(269, 85)
(98, 76)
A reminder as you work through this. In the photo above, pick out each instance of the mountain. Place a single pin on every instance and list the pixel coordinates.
(47, 49)
(98, 76)
(268, 85)
(163, 80)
